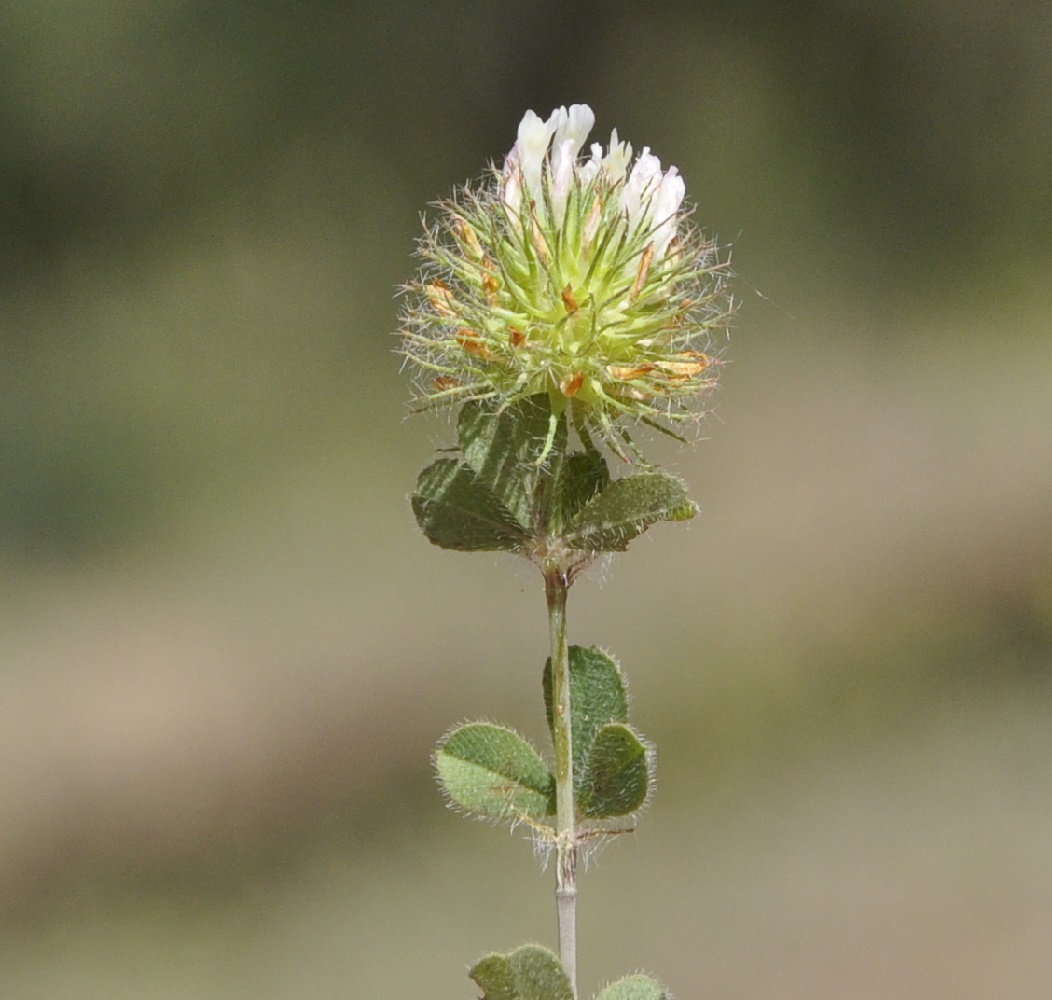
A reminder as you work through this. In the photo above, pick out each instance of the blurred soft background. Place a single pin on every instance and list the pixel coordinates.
(226, 651)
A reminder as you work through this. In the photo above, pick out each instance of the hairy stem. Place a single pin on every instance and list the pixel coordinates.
(557, 585)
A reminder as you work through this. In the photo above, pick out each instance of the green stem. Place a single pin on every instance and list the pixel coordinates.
(557, 584)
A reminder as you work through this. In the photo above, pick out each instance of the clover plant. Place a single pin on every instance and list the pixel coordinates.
(561, 302)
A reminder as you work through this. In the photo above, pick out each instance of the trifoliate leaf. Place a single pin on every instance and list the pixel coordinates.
(527, 973)
(626, 508)
(455, 511)
(492, 771)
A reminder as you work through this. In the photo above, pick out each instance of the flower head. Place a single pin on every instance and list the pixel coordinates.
(580, 277)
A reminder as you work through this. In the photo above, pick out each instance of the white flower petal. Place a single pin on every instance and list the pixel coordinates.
(639, 188)
(511, 182)
(532, 145)
(664, 209)
(589, 170)
(563, 160)
(615, 163)
(547, 152)
(574, 126)
(571, 130)
(555, 120)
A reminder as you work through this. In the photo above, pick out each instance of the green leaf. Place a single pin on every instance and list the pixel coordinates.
(503, 450)
(527, 973)
(597, 697)
(492, 771)
(626, 508)
(578, 478)
(616, 776)
(455, 511)
(634, 988)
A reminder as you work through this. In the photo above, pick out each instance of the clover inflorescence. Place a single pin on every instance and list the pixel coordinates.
(584, 278)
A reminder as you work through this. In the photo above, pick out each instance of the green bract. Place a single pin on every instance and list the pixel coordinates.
(580, 278)
(559, 514)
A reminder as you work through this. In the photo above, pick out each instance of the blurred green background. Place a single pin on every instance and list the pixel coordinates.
(226, 652)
